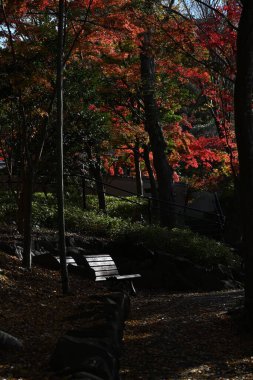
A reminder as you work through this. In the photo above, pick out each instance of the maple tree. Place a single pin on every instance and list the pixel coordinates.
(26, 67)
(114, 46)
(27, 44)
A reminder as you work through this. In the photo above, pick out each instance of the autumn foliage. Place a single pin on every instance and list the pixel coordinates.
(195, 71)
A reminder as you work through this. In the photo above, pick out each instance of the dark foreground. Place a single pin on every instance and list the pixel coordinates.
(186, 336)
(169, 336)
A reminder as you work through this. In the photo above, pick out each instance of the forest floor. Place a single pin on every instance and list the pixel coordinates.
(186, 336)
(168, 336)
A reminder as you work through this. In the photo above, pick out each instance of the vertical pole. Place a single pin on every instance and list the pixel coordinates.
(84, 193)
(60, 183)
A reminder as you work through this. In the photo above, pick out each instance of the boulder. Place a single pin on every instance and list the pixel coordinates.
(9, 248)
(46, 260)
(78, 354)
(84, 376)
(9, 342)
(181, 274)
(100, 331)
(48, 244)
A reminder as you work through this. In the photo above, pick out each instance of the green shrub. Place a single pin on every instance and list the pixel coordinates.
(199, 248)
(44, 210)
(8, 207)
(118, 225)
(178, 242)
(127, 208)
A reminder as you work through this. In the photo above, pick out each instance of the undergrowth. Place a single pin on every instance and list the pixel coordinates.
(123, 223)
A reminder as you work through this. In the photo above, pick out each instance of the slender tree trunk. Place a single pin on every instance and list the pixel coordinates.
(95, 171)
(99, 184)
(60, 183)
(158, 145)
(152, 181)
(244, 136)
(27, 216)
(138, 177)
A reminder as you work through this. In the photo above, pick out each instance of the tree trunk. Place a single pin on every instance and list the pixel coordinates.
(27, 216)
(60, 183)
(244, 136)
(152, 181)
(99, 185)
(157, 142)
(138, 177)
(95, 171)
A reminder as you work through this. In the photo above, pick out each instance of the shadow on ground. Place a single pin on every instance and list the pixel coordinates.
(186, 336)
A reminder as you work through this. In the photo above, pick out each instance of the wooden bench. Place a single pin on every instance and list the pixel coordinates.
(69, 260)
(103, 268)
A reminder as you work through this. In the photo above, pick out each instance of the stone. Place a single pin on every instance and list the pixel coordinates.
(8, 341)
(72, 251)
(84, 376)
(48, 244)
(8, 248)
(122, 300)
(46, 260)
(79, 354)
(103, 330)
(19, 252)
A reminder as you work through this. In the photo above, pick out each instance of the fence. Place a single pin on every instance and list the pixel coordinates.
(204, 222)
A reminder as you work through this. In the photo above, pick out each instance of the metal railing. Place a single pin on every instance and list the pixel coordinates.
(204, 222)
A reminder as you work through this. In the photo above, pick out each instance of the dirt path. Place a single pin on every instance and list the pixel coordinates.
(186, 336)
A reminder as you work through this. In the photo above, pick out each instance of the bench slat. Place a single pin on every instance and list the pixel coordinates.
(118, 277)
(107, 273)
(104, 267)
(98, 258)
(98, 263)
(98, 255)
(69, 260)
(127, 276)
(101, 278)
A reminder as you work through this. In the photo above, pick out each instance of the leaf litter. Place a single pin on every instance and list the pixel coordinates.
(168, 336)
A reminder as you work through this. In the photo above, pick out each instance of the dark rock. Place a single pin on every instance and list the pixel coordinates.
(223, 272)
(72, 251)
(105, 330)
(38, 253)
(89, 244)
(48, 244)
(79, 353)
(238, 275)
(122, 300)
(129, 250)
(8, 248)
(19, 252)
(84, 376)
(47, 261)
(98, 366)
(180, 274)
(8, 341)
(70, 241)
(232, 284)
(82, 270)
